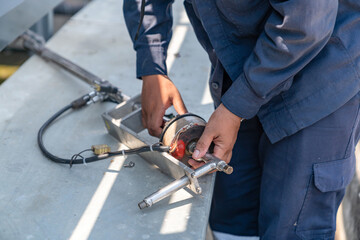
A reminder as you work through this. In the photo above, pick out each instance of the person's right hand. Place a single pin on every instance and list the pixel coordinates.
(158, 94)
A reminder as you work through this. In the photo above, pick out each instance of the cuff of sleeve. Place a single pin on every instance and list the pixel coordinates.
(150, 61)
(241, 100)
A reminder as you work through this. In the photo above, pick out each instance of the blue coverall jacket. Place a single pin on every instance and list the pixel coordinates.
(291, 62)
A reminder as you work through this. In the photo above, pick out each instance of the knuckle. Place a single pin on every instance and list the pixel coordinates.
(154, 131)
(151, 131)
(201, 145)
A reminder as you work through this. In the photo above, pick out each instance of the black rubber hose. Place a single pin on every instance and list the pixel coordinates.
(156, 147)
(41, 133)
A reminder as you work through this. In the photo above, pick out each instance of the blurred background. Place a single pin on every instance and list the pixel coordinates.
(12, 56)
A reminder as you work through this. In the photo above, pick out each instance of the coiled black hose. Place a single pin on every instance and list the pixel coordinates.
(77, 104)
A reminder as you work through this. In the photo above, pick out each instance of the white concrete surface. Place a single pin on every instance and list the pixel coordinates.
(40, 199)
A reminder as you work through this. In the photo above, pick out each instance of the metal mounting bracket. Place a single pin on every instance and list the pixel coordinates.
(124, 123)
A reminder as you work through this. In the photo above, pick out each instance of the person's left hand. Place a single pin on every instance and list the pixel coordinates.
(221, 129)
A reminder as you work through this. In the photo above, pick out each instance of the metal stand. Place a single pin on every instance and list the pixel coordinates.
(124, 123)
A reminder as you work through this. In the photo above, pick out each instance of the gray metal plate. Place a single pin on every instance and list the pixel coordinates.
(19, 15)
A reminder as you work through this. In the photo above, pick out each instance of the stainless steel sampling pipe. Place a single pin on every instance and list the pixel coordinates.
(212, 163)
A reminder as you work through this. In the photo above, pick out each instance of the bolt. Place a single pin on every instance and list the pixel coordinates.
(191, 147)
(228, 169)
(143, 205)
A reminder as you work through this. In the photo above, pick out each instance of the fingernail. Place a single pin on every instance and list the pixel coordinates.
(196, 154)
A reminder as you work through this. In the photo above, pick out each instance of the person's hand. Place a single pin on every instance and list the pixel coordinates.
(221, 129)
(158, 94)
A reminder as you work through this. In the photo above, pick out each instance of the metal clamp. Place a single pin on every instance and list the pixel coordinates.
(194, 183)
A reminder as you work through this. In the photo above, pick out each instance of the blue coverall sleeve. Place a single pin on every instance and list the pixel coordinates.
(294, 33)
(154, 35)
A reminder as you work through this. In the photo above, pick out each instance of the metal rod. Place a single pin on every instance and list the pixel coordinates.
(36, 43)
(71, 67)
(220, 164)
(212, 164)
(164, 192)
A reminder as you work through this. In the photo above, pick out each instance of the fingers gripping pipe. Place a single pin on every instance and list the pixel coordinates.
(181, 134)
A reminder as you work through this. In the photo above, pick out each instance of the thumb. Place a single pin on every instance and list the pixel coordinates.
(203, 145)
(179, 105)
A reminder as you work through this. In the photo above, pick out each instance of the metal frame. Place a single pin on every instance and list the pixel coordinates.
(124, 123)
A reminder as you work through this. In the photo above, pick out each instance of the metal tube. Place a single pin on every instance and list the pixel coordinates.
(71, 67)
(164, 192)
(220, 164)
(212, 164)
(36, 43)
(204, 169)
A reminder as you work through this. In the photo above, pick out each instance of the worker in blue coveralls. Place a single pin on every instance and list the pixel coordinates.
(291, 69)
